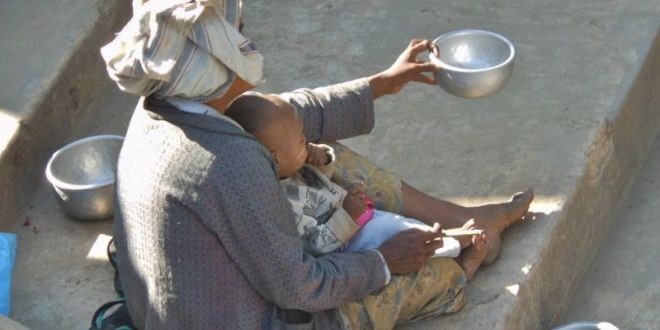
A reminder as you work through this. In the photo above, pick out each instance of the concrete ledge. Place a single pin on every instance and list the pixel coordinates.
(539, 296)
(46, 118)
(616, 156)
(9, 324)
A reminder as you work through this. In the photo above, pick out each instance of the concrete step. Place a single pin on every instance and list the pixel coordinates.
(574, 122)
(54, 90)
(51, 72)
(621, 285)
(62, 274)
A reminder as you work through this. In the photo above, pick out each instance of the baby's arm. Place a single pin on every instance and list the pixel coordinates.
(321, 156)
(320, 238)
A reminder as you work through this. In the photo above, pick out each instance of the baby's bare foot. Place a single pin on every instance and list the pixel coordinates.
(473, 257)
(466, 241)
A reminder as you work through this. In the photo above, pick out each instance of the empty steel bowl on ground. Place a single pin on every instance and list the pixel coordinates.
(588, 325)
(83, 176)
(474, 63)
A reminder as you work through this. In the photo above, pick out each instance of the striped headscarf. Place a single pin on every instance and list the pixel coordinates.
(185, 48)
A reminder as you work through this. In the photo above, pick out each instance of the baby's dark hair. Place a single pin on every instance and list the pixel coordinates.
(254, 112)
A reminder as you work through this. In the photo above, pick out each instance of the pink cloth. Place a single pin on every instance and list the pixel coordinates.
(368, 214)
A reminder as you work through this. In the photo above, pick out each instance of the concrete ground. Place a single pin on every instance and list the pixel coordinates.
(62, 274)
(573, 122)
(622, 285)
(51, 73)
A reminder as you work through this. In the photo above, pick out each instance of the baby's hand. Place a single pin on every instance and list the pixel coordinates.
(354, 204)
(317, 155)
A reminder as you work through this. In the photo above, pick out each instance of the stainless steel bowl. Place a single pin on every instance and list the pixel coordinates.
(474, 63)
(588, 325)
(83, 176)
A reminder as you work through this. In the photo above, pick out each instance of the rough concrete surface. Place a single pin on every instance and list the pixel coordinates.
(572, 123)
(622, 285)
(546, 129)
(32, 59)
(56, 284)
(50, 73)
(9, 324)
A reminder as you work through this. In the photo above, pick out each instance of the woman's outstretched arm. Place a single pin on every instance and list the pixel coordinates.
(345, 110)
(405, 69)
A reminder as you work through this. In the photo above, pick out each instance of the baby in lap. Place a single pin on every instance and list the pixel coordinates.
(328, 218)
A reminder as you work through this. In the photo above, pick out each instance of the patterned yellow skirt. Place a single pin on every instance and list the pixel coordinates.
(353, 170)
(435, 290)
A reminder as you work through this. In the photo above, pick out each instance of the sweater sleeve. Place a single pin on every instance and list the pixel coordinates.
(335, 112)
(254, 222)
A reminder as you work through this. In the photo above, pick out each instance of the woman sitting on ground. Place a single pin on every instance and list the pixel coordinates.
(204, 234)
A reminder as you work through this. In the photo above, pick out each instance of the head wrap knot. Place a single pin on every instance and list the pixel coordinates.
(189, 49)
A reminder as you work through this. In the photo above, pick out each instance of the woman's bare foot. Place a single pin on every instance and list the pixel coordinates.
(498, 217)
(473, 257)
(494, 218)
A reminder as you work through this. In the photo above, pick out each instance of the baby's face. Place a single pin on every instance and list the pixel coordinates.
(288, 142)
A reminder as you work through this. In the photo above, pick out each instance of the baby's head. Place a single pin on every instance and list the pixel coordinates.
(276, 124)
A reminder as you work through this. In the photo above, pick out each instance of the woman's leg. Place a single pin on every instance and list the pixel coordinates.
(495, 217)
(492, 218)
(353, 170)
(391, 194)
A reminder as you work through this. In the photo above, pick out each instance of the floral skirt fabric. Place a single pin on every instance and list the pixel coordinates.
(435, 290)
(355, 170)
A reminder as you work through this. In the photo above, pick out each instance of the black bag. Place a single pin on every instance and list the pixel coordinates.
(119, 319)
(112, 256)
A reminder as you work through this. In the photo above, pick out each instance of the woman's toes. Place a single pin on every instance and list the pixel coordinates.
(515, 209)
(523, 197)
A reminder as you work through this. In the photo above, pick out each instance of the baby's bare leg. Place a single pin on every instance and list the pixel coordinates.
(473, 258)
(464, 241)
